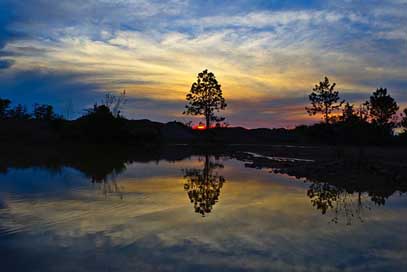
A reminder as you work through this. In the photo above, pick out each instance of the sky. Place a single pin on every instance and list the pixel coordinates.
(267, 55)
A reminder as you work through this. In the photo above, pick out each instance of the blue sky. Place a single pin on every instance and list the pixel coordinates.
(266, 54)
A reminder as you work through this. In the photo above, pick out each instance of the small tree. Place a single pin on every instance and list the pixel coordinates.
(44, 112)
(382, 107)
(205, 98)
(4, 104)
(363, 111)
(348, 113)
(115, 103)
(19, 112)
(324, 99)
(100, 111)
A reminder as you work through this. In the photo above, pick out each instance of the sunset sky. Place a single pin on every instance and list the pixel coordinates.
(266, 54)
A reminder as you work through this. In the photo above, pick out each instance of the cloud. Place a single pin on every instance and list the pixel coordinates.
(6, 63)
(269, 19)
(58, 89)
(259, 51)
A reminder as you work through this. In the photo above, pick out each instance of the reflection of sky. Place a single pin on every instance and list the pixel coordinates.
(261, 222)
(266, 54)
(40, 180)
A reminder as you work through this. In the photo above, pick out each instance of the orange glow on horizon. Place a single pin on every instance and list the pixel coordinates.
(200, 126)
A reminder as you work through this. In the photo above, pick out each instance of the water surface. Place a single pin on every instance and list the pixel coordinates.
(200, 213)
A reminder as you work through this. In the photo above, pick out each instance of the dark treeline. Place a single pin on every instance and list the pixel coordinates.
(372, 123)
(103, 123)
(20, 112)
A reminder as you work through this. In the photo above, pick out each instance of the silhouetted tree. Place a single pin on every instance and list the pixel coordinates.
(99, 111)
(205, 98)
(4, 104)
(349, 114)
(19, 112)
(324, 99)
(115, 103)
(203, 186)
(382, 107)
(363, 111)
(99, 125)
(44, 112)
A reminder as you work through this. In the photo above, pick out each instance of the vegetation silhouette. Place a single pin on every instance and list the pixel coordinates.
(371, 123)
(203, 186)
(340, 182)
(4, 105)
(45, 113)
(326, 197)
(382, 108)
(205, 97)
(100, 124)
(115, 103)
(333, 179)
(19, 112)
(324, 99)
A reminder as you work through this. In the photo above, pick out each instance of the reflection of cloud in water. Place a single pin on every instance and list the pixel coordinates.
(258, 224)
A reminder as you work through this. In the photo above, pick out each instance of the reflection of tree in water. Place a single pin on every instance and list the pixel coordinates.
(326, 197)
(346, 187)
(108, 185)
(102, 172)
(203, 186)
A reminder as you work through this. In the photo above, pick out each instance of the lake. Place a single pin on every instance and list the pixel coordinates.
(195, 213)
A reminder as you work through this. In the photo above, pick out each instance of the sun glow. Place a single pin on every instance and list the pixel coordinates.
(200, 126)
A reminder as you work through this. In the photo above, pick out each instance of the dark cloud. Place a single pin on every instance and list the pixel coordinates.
(25, 51)
(58, 89)
(5, 64)
(271, 112)
(279, 112)
(154, 109)
(5, 18)
(397, 87)
(61, 89)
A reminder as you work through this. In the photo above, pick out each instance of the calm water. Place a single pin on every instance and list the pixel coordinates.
(197, 214)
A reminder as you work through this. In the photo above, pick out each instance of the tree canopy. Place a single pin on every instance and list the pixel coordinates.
(349, 114)
(324, 99)
(19, 112)
(205, 98)
(4, 104)
(382, 107)
(44, 112)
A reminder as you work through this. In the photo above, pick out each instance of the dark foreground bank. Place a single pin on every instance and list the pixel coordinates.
(108, 130)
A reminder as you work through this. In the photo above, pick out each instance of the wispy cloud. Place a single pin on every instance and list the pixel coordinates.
(155, 48)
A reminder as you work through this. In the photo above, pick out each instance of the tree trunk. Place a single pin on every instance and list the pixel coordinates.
(326, 115)
(207, 118)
